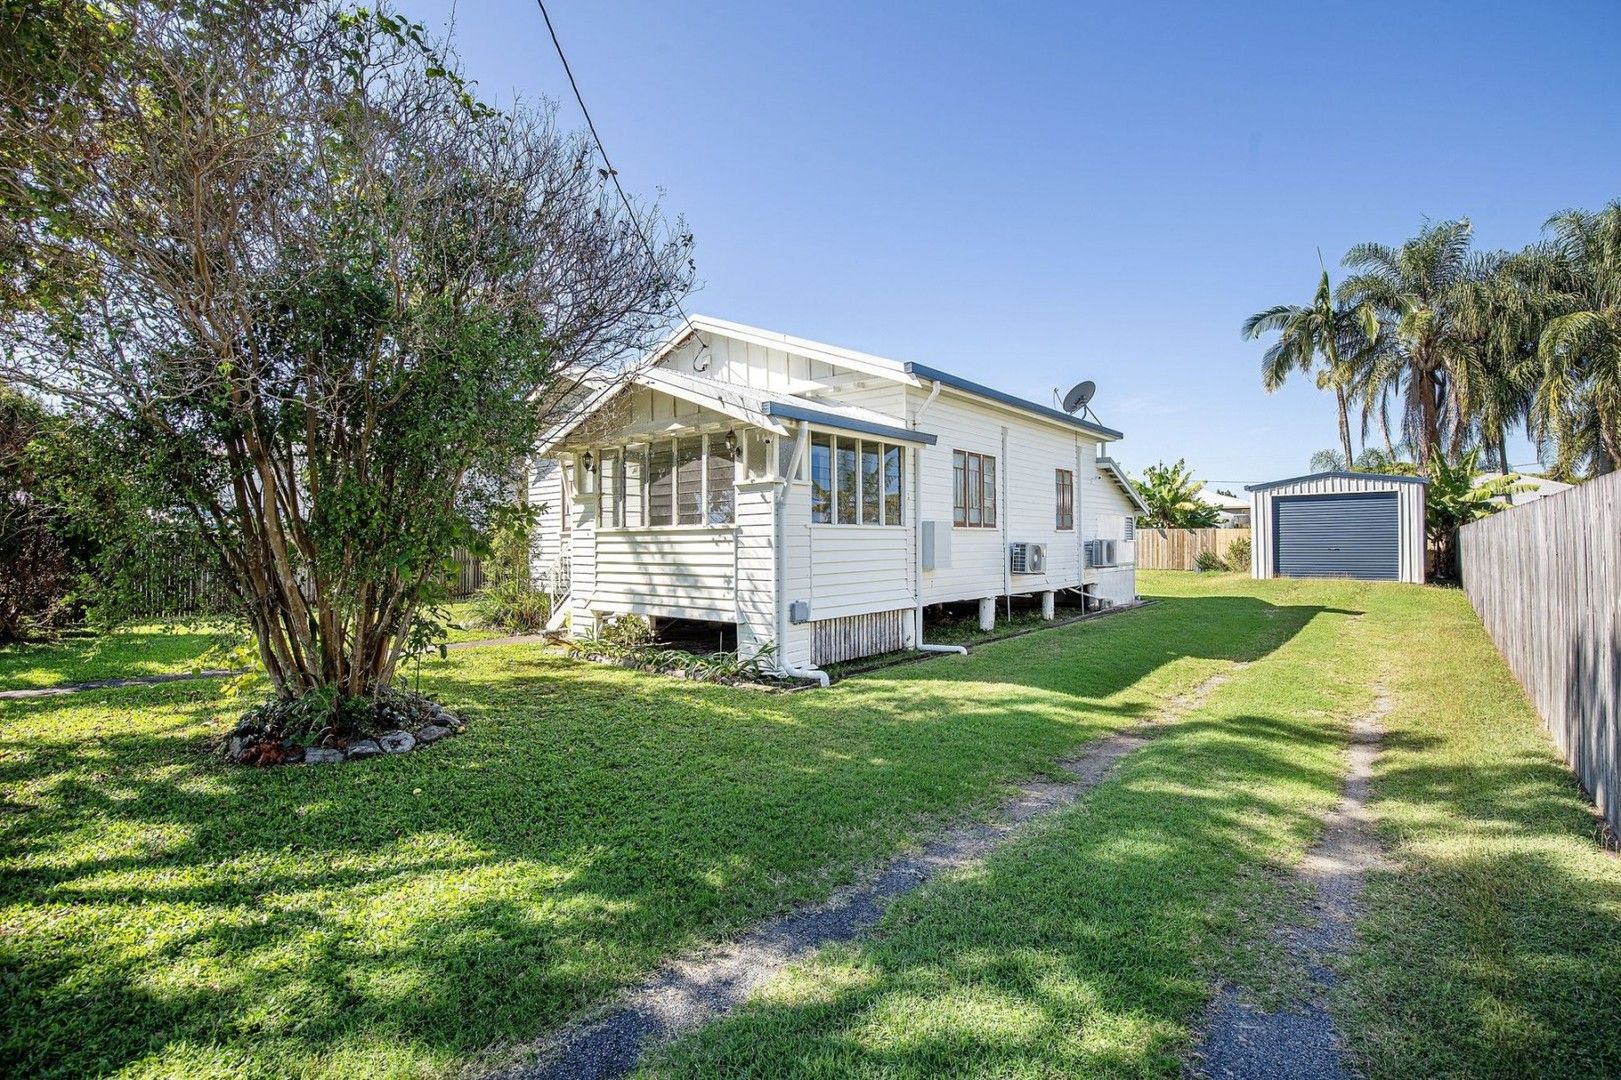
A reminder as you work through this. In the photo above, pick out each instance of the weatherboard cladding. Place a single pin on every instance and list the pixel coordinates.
(860, 581)
(1266, 499)
(1349, 535)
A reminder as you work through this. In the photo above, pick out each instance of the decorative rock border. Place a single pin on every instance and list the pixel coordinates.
(250, 747)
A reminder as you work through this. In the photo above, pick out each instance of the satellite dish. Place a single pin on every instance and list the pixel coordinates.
(1078, 397)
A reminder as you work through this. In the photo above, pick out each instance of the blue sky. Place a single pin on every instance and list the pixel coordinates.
(1033, 194)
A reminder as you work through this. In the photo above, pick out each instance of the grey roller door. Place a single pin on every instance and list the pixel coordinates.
(1344, 535)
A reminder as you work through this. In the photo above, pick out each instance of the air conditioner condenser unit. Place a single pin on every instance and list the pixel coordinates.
(1026, 558)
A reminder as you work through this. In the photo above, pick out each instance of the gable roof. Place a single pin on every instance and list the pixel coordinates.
(747, 404)
(770, 339)
(908, 372)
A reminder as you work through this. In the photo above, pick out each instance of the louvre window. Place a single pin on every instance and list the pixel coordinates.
(611, 490)
(689, 480)
(720, 483)
(845, 480)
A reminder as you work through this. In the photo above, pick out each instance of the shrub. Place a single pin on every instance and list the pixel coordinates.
(322, 715)
(1238, 555)
(1209, 562)
(628, 640)
(513, 605)
(631, 631)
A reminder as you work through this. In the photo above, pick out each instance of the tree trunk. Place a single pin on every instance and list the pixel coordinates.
(1429, 418)
(1345, 425)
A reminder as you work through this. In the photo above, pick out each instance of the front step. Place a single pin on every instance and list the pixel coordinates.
(559, 614)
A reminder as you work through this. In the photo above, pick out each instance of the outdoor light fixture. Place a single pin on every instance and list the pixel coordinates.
(731, 443)
(587, 461)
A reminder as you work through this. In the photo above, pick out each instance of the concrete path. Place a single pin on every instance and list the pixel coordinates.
(211, 673)
(1244, 1043)
(697, 989)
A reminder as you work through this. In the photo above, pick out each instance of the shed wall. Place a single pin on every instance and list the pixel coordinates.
(1410, 506)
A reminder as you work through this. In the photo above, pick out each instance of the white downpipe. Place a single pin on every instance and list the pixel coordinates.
(917, 530)
(808, 673)
(960, 649)
(779, 570)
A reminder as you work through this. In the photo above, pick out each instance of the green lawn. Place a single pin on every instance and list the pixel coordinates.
(1492, 945)
(137, 650)
(162, 914)
(152, 649)
(165, 913)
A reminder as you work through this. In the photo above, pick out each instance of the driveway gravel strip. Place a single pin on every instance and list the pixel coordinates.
(691, 991)
(1302, 1042)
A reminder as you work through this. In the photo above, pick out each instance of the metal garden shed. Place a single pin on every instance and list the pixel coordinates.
(1339, 524)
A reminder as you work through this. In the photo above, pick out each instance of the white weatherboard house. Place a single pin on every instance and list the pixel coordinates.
(818, 498)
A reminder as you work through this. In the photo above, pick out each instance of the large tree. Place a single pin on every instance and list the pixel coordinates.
(1323, 334)
(1578, 399)
(318, 291)
(36, 564)
(1417, 291)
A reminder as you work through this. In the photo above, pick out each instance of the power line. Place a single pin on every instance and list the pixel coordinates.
(613, 173)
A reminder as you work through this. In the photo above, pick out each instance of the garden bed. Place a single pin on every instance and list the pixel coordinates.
(303, 732)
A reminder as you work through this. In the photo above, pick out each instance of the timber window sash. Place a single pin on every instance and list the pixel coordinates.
(974, 490)
(687, 480)
(1064, 484)
(856, 481)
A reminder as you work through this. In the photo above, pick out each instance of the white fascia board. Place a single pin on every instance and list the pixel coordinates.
(893, 370)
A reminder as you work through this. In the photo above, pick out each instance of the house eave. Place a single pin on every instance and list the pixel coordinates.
(968, 386)
(1118, 475)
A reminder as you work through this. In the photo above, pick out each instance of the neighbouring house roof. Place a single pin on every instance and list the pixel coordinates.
(1110, 468)
(1540, 487)
(909, 372)
(1340, 474)
(1231, 503)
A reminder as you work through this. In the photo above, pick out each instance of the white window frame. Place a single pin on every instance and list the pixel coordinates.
(861, 444)
(711, 443)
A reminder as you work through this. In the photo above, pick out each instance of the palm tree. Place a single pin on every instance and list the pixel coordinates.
(1340, 335)
(1416, 289)
(1579, 400)
(1503, 305)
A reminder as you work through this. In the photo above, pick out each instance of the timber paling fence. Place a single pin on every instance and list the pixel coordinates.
(188, 584)
(1545, 579)
(1179, 549)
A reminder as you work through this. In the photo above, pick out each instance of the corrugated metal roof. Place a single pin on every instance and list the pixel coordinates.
(907, 371)
(1342, 475)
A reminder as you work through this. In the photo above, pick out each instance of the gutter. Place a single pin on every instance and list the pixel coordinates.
(923, 371)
